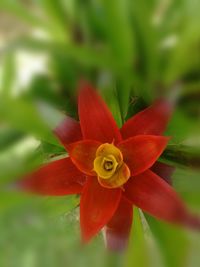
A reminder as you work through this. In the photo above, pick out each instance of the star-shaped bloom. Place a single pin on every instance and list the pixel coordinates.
(113, 169)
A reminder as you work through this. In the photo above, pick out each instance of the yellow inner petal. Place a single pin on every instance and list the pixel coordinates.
(105, 166)
(112, 172)
(109, 149)
(119, 178)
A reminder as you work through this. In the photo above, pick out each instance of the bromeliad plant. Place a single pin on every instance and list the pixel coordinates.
(112, 169)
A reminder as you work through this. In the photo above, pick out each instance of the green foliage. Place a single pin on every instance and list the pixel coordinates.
(138, 250)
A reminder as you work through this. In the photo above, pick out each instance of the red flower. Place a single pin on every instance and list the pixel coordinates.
(110, 168)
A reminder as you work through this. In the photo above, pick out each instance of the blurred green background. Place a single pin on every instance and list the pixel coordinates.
(133, 51)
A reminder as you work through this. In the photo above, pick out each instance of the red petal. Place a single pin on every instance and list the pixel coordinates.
(68, 131)
(97, 206)
(96, 120)
(150, 193)
(140, 152)
(153, 120)
(118, 229)
(60, 177)
(83, 154)
(163, 170)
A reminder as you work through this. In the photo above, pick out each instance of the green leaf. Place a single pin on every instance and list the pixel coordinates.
(58, 206)
(181, 155)
(123, 88)
(84, 54)
(137, 254)
(8, 137)
(109, 93)
(182, 127)
(181, 61)
(187, 183)
(173, 242)
(22, 115)
(8, 75)
(55, 11)
(146, 46)
(56, 17)
(19, 10)
(18, 159)
(118, 29)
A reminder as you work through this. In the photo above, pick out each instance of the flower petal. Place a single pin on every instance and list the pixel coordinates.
(118, 228)
(109, 149)
(97, 206)
(153, 120)
(120, 177)
(60, 177)
(153, 195)
(83, 154)
(96, 120)
(68, 131)
(140, 152)
(163, 170)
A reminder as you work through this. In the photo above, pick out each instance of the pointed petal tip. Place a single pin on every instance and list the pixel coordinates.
(95, 116)
(116, 232)
(163, 106)
(18, 185)
(149, 192)
(56, 178)
(68, 131)
(152, 120)
(141, 152)
(85, 238)
(164, 170)
(83, 84)
(193, 222)
(115, 244)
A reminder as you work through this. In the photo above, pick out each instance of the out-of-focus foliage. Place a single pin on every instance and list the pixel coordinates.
(134, 51)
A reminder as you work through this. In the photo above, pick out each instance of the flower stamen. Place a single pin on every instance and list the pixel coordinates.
(108, 165)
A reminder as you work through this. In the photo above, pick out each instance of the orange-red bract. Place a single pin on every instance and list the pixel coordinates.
(141, 142)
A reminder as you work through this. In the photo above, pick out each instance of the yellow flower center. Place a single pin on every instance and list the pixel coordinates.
(109, 166)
